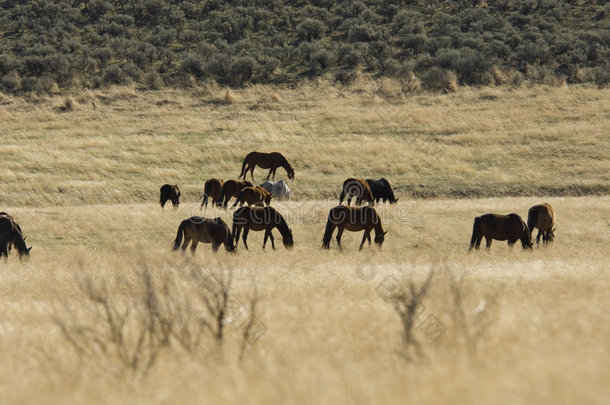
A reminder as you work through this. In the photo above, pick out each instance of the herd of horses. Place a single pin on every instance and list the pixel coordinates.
(258, 215)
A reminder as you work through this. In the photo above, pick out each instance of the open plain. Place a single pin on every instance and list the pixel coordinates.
(81, 175)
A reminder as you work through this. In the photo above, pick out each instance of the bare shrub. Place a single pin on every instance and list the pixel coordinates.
(408, 304)
(473, 324)
(127, 323)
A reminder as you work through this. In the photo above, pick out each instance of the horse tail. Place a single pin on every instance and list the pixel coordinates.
(328, 233)
(205, 200)
(342, 196)
(243, 168)
(178, 240)
(475, 231)
(532, 218)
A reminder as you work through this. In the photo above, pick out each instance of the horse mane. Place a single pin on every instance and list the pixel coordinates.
(17, 237)
(282, 225)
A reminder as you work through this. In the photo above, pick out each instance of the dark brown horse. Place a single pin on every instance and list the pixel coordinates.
(542, 217)
(261, 219)
(353, 219)
(10, 234)
(253, 196)
(212, 188)
(169, 193)
(263, 160)
(500, 227)
(230, 189)
(358, 188)
(381, 190)
(205, 230)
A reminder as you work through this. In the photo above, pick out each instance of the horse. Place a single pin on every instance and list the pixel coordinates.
(206, 230)
(542, 217)
(4, 214)
(169, 192)
(381, 190)
(353, 219)
(261, 219)
(279, 189)
(231, 188)
(358, 188)
(500, 227)
(253, 196)
(10, 234)
(269, 161)
(213, 188)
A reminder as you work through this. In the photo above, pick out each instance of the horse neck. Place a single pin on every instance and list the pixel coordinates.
(284, 163)
(18, 241)
(282, 226)
(378, 227)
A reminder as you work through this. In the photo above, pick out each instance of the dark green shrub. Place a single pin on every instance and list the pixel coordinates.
(114, 75)
(193, 65)
(311, 29)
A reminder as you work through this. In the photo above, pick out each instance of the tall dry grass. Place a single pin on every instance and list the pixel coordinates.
(498, 326)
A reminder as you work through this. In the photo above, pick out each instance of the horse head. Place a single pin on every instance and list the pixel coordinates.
(25, 253)
(291, 173)
(379, 239)
(287, 239)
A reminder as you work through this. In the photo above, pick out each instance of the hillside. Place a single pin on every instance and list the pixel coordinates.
(49, 46)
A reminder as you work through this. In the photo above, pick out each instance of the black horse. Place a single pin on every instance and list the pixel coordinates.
(171, 193)
(10, 234)
(381, 190)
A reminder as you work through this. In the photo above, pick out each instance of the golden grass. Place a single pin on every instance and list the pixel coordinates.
(84, 186)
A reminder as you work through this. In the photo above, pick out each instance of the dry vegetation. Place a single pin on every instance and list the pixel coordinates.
(503, 326)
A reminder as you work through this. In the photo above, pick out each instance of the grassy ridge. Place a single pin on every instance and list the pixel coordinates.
(119, 145)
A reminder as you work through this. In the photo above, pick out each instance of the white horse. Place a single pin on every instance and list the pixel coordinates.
(279, 189)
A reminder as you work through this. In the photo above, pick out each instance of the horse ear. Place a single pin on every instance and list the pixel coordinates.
(385, 233)
(28, 250)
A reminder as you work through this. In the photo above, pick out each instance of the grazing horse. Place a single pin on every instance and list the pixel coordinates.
(500, 227)
(261, 219)
(381, 190)
(542, 217)
(6, 215)
(213, 188)
(353, 219)
(171, 193)
(358, 188)
(269, 161)
(253, 196)
(10, 234)
(279, 189)
(231, 188)
(206, 230)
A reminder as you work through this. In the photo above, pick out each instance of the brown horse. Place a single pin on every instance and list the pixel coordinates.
(230, 189)
(206, 230)
(358, 188)
(353, 219)
(253, 196)
(212, 188)
(171, 193)
(261, 219)
(10, 234)
(542, 217)
(500, 227)
(269, 161)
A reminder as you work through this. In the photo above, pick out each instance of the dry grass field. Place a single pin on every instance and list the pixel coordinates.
(505, 326)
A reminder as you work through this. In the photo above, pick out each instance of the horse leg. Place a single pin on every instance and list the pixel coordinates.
(251, 172)
(487, 243)
(272, 239)
(215, 247)
(339, 233)
(477, 242)
(538, 237)
(236, 233)
(365, 237)
(187, 239)
(349, 200)
(269, 174)
(265, 238)
(368, 238)
(511, 243)
(245, 237)
(194, 246)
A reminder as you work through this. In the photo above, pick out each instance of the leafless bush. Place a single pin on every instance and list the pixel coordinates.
(473, 324)
(408, 304)
(126, 327)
